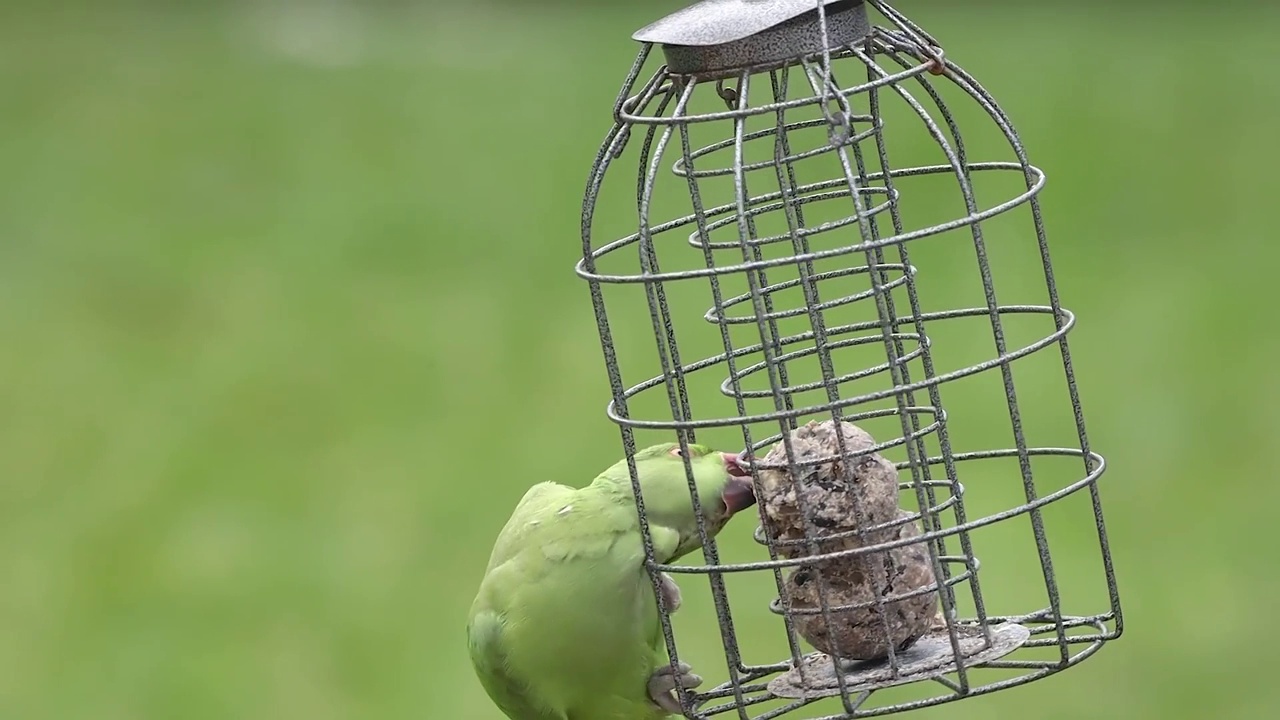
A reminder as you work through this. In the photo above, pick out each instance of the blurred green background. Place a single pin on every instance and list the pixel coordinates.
(288, 322)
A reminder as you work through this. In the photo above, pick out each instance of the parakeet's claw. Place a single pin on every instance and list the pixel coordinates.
(662, 686)
(670, 592)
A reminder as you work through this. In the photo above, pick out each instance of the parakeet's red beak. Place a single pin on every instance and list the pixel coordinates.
(738, 493)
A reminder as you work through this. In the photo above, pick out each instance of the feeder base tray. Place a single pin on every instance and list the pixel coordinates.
(929, 657)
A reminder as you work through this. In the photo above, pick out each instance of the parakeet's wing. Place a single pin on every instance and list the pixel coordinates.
(555, 528)
(524, 520)
(514, 698)
(485, 631)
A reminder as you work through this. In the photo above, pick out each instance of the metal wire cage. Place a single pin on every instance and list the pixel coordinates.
(837, 288)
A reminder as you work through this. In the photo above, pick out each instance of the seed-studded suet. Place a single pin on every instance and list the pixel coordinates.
(838, 492)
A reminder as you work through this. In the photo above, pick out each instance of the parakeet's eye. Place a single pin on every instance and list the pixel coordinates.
(675, 452)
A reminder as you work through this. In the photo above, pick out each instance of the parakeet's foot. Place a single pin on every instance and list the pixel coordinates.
(662, 686)
(670, 592)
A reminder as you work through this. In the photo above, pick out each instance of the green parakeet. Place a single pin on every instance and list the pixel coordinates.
(565, 624)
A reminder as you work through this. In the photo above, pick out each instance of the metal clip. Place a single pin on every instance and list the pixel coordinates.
(728, 94)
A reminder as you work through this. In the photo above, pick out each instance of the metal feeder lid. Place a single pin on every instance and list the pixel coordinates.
(712, 22)
(717, 35)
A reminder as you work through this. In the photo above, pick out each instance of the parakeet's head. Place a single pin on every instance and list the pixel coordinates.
(723, 485)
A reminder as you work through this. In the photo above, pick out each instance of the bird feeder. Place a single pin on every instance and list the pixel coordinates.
(803, 213)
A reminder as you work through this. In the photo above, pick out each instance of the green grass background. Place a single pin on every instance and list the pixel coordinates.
(288, 322)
